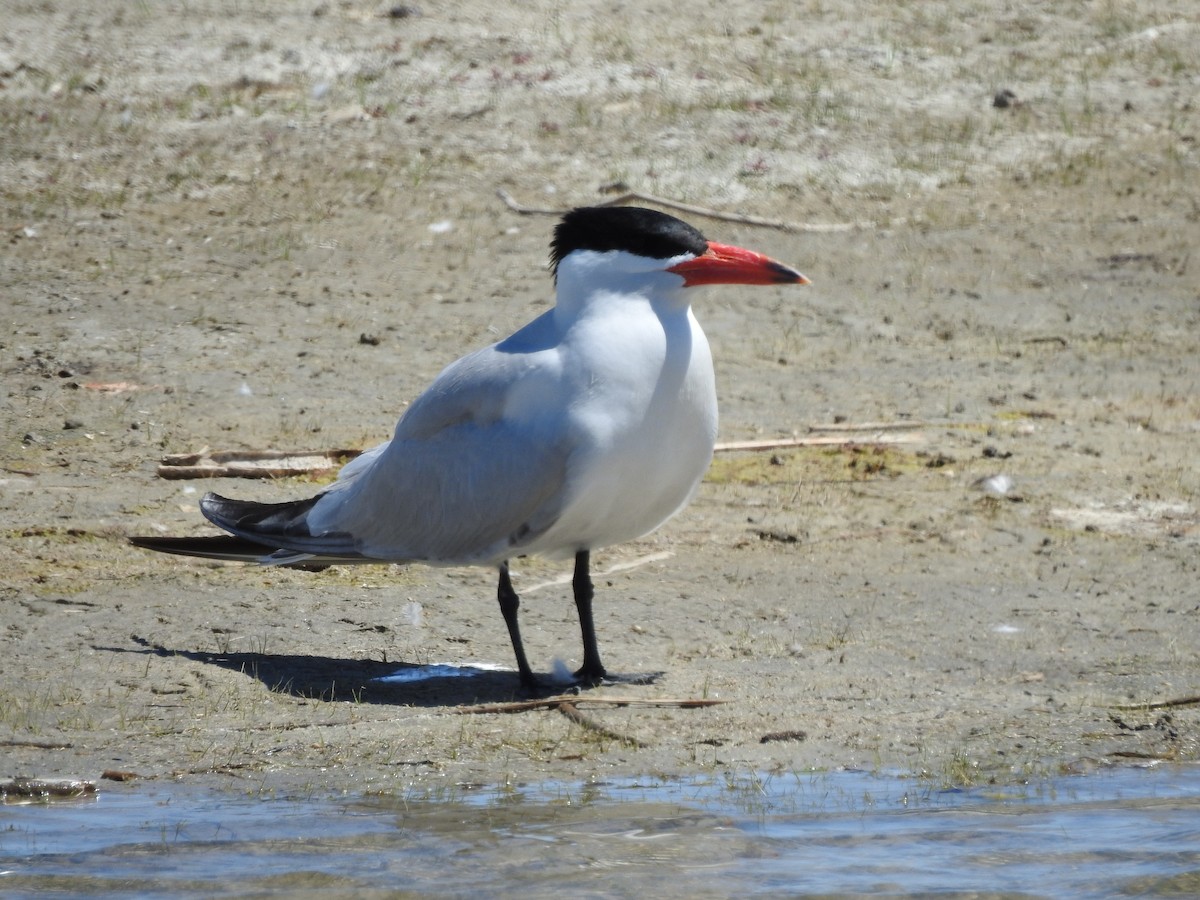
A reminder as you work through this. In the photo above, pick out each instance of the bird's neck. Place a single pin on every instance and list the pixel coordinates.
(621, 295)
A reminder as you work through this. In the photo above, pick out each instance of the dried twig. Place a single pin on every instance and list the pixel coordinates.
(38, 745)
(791, 735)
(285, 463)
(253, 463)
(1162, 704)
(1169, 756)
(230, 769)
(568, 705)
(571, 711)
(566, 577)
(1048, 339)
(29, 473)
(27, 790)
(868, 426)
(740, 218)
(819, 441)
(553, 703)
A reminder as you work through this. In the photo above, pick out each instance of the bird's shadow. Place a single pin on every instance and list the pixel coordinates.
(337, 679)
(334, 679)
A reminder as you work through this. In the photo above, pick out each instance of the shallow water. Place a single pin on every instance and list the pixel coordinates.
(1116, 832)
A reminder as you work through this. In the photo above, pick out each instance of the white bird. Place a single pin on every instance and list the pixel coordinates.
(590, 426)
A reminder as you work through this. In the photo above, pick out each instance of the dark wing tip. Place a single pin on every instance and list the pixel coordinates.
(259, 521)
(227, 547)
(222, 546)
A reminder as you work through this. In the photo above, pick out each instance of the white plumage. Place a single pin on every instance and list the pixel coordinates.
(590, 426)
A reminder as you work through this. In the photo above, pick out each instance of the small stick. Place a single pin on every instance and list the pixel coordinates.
(568, 709)
(1135, 754)
(253, 463)
(520, 209)
(40, 789)
(819, 441)
(554, 702)
(740, 218)
(868, 426)
(1162, 704)
(568, 705)
(614, 568)
(38, 745)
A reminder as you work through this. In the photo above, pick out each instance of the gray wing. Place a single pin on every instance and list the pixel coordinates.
(476, 467)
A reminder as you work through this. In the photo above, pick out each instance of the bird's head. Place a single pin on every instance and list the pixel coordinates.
(632, 239)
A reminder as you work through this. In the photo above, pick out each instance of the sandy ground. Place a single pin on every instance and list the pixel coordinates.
(249, 226)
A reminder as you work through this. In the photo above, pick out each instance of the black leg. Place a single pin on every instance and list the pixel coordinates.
(509, 604)
(592, 670)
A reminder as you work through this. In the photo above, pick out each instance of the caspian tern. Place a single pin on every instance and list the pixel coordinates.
(590, 426)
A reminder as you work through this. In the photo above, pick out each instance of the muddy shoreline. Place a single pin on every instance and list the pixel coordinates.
(268, 230)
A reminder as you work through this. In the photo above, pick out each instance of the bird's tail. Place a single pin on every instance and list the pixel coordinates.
(267, 533)
(283, 527)
(226, 547)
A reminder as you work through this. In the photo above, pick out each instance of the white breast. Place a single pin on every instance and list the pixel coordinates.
(645, 420)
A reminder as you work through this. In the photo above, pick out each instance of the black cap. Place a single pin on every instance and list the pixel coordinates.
(643, 232)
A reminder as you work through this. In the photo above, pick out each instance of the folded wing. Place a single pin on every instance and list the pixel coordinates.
(476, 469)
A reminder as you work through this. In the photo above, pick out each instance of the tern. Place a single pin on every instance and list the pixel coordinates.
(592, 425)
